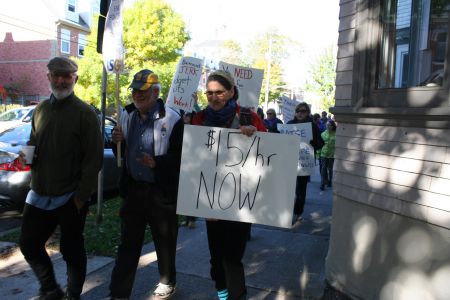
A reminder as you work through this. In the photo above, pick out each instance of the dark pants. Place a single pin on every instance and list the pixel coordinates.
(145, 205)
(37, 226)
(227, 241)
(327, 171)
(300, 194)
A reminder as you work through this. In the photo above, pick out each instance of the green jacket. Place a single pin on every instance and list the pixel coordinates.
(329, 138)
(69, 148)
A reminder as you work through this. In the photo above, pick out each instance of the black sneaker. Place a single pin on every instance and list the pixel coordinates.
(322, 187)
(56, 294)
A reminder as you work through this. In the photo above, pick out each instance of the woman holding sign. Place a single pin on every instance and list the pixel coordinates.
(303, 115)
(227, 239)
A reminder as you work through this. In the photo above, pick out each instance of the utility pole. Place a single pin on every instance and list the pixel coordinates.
(269, 62)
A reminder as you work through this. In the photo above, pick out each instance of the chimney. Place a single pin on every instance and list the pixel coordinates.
(9, 37)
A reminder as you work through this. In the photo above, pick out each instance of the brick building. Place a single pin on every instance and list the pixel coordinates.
(31, 33)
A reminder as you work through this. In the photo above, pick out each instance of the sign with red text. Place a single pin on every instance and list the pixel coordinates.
(185, 83)
(248, 82)
(230, 176)
(303, 131)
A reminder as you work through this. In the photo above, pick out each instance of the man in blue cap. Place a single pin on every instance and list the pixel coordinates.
(152, 137)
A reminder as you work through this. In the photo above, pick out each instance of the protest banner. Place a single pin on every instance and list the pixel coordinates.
(227, 175)
(288, 108)
(113, 55)
(113, 49)
(248, 82)
(303, 131)
(185, 83)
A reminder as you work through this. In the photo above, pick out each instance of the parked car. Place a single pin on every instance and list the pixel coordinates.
(16, 116)
(15, 178)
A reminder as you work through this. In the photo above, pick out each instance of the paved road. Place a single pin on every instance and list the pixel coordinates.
(9, 220)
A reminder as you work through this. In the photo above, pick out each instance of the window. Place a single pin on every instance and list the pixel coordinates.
(401, 48)
(72, 10)
(81, 44)
(65, 41)
(71, 5)
(413, 43)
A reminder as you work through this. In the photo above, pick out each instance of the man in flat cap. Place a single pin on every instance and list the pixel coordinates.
(152, 135)
(68, 156)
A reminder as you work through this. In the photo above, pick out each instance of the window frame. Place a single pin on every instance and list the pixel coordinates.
(82, 42)
(72, 15)
(367, 48)
(65, 33)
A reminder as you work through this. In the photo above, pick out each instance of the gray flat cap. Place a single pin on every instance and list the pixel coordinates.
(62, 64)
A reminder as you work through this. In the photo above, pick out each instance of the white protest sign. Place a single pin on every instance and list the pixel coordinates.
(112, 48)
(303, 131)
(185, 83)
(227, 175)
(288, 111)
(248, 82)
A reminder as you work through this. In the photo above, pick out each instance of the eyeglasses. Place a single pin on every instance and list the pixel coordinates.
(301, 110)
(217, 93)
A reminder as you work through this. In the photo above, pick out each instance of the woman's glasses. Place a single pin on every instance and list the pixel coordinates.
(301, 110)
(217, 93)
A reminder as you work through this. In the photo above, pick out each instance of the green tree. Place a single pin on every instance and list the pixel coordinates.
(231, 52)
(153, 36)
(323, 77)
(259, 56)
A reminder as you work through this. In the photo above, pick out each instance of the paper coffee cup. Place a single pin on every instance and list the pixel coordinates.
(29, 154)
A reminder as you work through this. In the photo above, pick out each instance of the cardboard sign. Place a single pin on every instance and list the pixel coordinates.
(248, 82)
(306, 161)
(185, 83)
(288, 111)
(227, 175)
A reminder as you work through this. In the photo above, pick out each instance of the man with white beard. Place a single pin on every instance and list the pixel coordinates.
(68, 156)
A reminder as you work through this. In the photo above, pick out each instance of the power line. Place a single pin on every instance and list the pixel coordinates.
(54, 36)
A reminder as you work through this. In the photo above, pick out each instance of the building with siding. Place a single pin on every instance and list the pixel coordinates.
(34, 31)
(390, 236)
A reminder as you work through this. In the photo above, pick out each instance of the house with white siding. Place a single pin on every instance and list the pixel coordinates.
(390, 234)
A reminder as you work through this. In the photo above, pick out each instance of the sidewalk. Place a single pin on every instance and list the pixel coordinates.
(279, 263)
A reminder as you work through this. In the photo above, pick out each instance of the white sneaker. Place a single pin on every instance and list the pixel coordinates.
(164, 291)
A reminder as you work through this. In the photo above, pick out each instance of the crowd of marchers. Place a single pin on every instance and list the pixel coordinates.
(68, 156)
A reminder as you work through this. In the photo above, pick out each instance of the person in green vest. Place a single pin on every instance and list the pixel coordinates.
(327, 154)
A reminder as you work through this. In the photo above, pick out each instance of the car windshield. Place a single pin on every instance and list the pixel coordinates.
(15, 114)
(16, 135)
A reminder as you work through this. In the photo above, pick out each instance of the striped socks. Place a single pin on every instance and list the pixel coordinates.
(223, 294)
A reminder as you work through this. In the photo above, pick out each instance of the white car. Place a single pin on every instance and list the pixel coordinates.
(16, 116)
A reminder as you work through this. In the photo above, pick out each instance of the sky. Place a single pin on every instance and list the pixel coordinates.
(312, 23)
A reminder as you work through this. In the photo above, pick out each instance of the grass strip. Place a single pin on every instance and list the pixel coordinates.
(100, 239)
